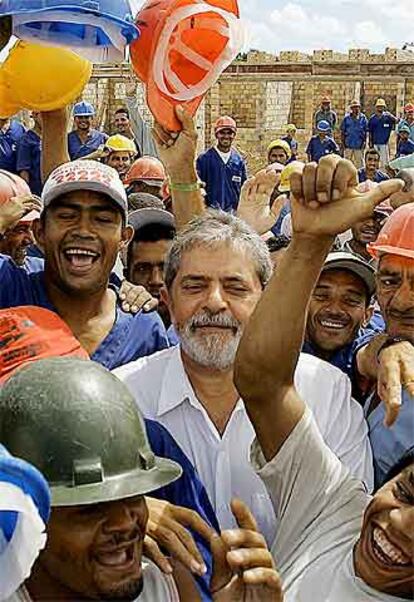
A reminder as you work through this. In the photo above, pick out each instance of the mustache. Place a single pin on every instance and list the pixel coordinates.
(219, 320)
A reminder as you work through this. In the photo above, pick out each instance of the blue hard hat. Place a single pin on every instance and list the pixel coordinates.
(83, 109)
(324, 126)
(88, 21)
(30, 481)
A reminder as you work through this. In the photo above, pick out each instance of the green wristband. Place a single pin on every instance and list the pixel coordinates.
(193, 187)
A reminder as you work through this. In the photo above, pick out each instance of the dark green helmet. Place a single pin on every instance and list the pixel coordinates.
(79, 425)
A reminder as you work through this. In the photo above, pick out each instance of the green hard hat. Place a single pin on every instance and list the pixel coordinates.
(79, 425)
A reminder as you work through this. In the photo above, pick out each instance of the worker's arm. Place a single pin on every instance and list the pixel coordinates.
(54, 141)
(177, 151)
(325, 202)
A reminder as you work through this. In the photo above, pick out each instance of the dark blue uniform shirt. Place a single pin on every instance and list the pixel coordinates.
(187, 491)
(380, 128)
(223, 180)
(131, 337)
(380, 176)
(318, 148)
(405, 148)
(78, 149)
(28, 159)
(9, 141)
(355, 131)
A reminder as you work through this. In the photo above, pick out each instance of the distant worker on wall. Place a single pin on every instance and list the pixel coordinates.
(354, 128)
(380, 126)
(222, 168)
(325, 113)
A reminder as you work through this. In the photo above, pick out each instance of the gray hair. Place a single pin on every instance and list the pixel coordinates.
(217, 227)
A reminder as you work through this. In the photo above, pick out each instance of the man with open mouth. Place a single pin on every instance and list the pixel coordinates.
(335, 543)
(89, 441)
(82, 228)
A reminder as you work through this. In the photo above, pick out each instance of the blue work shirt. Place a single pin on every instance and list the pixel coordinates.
(28, 159)
(355, 131)
(9, 141)
(405, 148)
(389, 444)
(172, 336)
(187, 491)
(379, 176)
(131, 337)
(380, 128)
(318, 148)
(78, 149)
(223, 180)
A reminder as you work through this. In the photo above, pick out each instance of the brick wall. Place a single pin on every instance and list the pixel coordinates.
(264, 92)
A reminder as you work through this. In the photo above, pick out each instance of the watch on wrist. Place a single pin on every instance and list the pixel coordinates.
(389, 342)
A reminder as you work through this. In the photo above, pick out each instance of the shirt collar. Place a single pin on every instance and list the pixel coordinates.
(176, 388)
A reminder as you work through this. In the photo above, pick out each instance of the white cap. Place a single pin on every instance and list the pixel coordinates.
(85, 175)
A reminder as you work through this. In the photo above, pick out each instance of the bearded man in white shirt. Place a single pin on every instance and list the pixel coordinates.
(215, 274)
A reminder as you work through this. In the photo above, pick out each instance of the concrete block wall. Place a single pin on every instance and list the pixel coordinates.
(264, 92)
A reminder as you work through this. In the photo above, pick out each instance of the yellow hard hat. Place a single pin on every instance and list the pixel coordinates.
(284, 184)
(291, 127)
(121, 143)
(380, 103)
(278, 143)
(42, 78)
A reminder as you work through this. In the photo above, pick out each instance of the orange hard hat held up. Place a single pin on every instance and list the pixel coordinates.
(397, 236)
(184, 47)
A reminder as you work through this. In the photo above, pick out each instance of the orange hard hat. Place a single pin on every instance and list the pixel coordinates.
(11, 185)
(183, 48)
(225, 123)
(31, 333)
(147, 169)
(397, 236)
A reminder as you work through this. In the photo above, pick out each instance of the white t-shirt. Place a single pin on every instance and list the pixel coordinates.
(158, 587)
(164, 393)
(320, 509)
(224, 156)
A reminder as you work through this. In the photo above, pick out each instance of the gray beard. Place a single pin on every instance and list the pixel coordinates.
(213, 351)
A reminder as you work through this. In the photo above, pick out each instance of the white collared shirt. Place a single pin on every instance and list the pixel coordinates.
(163, 393)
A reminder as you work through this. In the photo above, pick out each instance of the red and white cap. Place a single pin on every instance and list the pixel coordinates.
(85, 175)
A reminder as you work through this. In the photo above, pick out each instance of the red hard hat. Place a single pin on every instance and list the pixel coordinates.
(409, 108)
(183, 48)
(31, 333)
(147, 169)
(225, 123)
(397, 236)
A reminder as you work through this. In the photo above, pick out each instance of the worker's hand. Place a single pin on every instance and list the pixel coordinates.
(326, 201)
(16, 208)
(406, 195)
(243, 566)
(135, 298)
(254, 205)
(177, 150)
(5, 31)
(167, 529)
(395, 372)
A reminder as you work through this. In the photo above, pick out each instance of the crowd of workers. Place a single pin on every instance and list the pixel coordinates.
(213, 373)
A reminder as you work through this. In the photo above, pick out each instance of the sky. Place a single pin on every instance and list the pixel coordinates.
(308, 25)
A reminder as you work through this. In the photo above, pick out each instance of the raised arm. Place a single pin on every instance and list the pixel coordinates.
(54, 141)
(177, 152)
(325, 202)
